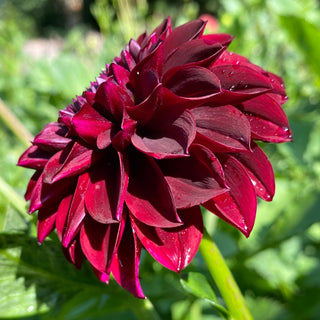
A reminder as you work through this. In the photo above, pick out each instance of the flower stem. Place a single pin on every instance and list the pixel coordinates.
(15, 199)
(224, 280)
(144, 309)
(15, 125)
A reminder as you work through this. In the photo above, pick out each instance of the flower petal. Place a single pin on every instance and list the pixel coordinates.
(144, 111)
(237, 206)
(62, 215)
(88, 123)
(107, 186)
(111, 99)
(223, 38)
(196, 53)
(174, 248)
(195, 179)
(125, 263)
(260, 171)
(34, 158)
(46, 222)
(32, 183)
(268, 131)
(266, 108)
(146, 75)
(78, 160)
(149, 198)
(127, 60)
(48, 194)
(52, 137)
(74, 253)
(222, 129)
(192, 82)
(163, 30)
(76, 212)
(181, 34)
(99, 242)
(238, 78)
(121, 74)
(169, 137)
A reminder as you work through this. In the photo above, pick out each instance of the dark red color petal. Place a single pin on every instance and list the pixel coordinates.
(125, 263)
(222, 129)
(169, 137)
(55, 163)
(243, 79)
(106, 190)
(196, 53)
(237, 206)
(78, 160)
(127, 60)
(88, 123)
(120, 74)
(99, 242)
(76, 212)
(277, 85)
(134, 48)
(174, 248)
(52, 137)
(46, 222)
(231, 58)
(149, 197)
(111, 99)
(74, 253)
(48, 194)
(195, 179)
(144, 111)
(105, 138)
(192, 82)
(62, 215)
(31, 185)
(146, 75)
(89, 96)
(223, 38)
(260, 171)
(34, 158)
(181, 34)
(267, 131)
(266, 108)
(163, 30)
(102, 276)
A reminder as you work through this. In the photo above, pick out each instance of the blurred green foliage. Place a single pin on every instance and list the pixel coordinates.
(277, 268)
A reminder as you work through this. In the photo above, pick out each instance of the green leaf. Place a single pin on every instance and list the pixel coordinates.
(269, 308)
(37, 279)
(186, 310)
(16, 299)
(306, 36)
(197, 284)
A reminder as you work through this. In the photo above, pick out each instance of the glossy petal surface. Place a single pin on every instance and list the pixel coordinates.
(199, 175)
(149, 198)
(174, 248)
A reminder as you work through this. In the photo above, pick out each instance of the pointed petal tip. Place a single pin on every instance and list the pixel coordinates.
(246, 231)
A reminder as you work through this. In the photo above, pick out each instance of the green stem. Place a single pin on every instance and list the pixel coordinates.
(144, 309)
(14, 198)
(224, 280)
(15, 125)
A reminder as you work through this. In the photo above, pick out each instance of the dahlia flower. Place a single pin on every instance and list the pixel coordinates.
(168, 126)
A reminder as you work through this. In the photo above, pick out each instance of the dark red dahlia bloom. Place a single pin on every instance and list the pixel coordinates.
(168, 126)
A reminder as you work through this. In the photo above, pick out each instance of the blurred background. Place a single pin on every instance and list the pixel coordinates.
(49, 53)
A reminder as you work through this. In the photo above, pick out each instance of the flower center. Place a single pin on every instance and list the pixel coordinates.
(123, 138)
